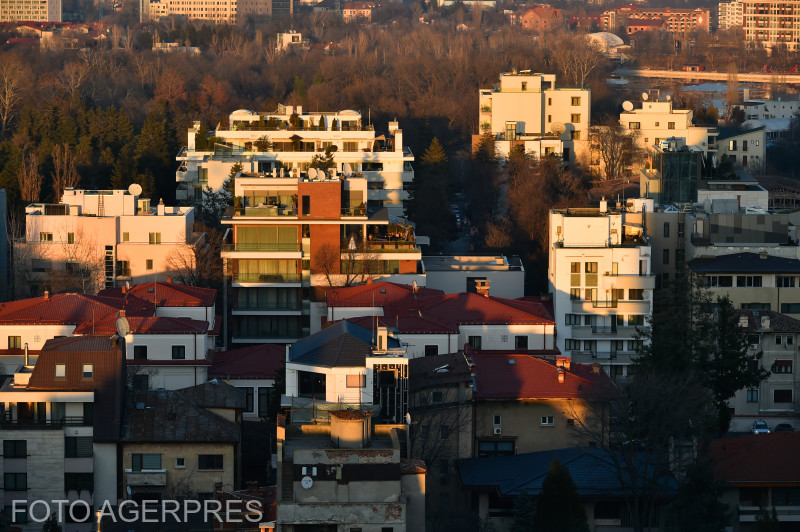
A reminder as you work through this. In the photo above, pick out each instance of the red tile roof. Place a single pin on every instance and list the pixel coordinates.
(167, 294)
(407, 324)
(257, 362)
(145, 325)
(375, 294)
(73, 353)
(68, 308)
(468, 308)
(758, 459)
(514, 376)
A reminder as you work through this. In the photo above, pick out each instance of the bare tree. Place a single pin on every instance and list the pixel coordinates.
(73, 76)
(731, 89)
(29, 179)
(350, 266)
(198, 263)
(613, 148)
(12, 82)
(64, 173)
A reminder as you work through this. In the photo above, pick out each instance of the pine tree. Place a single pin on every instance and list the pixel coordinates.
(558, 508)
(697, 505)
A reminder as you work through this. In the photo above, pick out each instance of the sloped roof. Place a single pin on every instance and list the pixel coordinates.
(262, 361)
(777, 322)
(413, 324)
(745, 263)
(515, 376)
(375, 294)
(170, 416)
(344, 344)
(215, 394)
(758, 459)
(729, 132)
(69, 309)
(167, 294)
(438, 371)
(145, 325)
(591, 469)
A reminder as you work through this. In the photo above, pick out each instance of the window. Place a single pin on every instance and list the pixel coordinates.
(15, 342)
(70, 238)
(437, 397)
(636, 294)
(140, 352)
(752, 395)
(572, 345)
(549, 101)
(524, 85)
(717, 280)
(548, 421)
(15, 449)
(575, 118)
(141, 383)
(572, 319)
(575, 135)
(248, 398)
(180, 463)
(143, 462)
(590, 267)
(498, 420)
(666, 229)
(495, 448)
(590, 294)
(732, 145)
(126, 237)
(149, 264)
(665, 258)
(670, 125)
(635, 345)
(61, 371)
(521, 342)
(549, 118)
(748, 280)
(634, 125)
(637, 319)
(45, 237)
(88, 371)
(306, 205)
(78, 447)
(475, 342)
(15, 481)
(178, 352)
(431, 350)
(155, 238)
(782, 396)
(356, 381)
(784, 282)
(575, 100)
(444, 433)
(790, 308)
(590, 346)
(786, 496)
(575, 294)
(782, 366)
(209, 461)
(263, 401)
(78, 482)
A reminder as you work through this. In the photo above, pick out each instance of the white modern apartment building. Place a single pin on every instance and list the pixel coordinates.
(102, 238)
(225, 11)
(526, 109)
(601, 281)
(731, 15)
(30, 10)
(656, 121)
(283, 144)
(771, 23)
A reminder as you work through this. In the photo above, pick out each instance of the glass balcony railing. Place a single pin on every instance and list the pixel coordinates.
(267, 306)
(258, 246)
(266, 278)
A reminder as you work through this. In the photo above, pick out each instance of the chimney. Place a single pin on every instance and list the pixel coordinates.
(27, 358)
(169, 280)
(122, 313)
(563, 362)
(603, 205)
(383, 338)
(218, 486)
(414, 287)
(161, 210)
(761, 255)
(252, 487)
(482, 287)
(46, 294)
(124, 289)
(560, 375)
(596, 368)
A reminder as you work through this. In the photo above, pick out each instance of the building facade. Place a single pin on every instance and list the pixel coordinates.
(283, 144)
(731, 15)
(526, 109)
(772, 23)
(30, 10)
(657, 121)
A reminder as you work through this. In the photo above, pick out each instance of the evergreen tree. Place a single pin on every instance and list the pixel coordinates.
(524, 510)
(124, 172)
(697, 506)
(51, 525)
(428, 195)
(323, 162)
(558, 508)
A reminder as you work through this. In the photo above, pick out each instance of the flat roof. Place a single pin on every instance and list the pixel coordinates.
(471, 262)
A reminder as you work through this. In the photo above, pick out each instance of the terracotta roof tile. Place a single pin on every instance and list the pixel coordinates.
(167, 294)
(375, 294)
(145, 325)
(68, 308)
(758, 458)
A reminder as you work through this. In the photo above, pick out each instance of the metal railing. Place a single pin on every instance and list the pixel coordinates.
(292, 246)
(7, 423)
(266, 277)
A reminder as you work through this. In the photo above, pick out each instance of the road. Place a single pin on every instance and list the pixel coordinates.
(774, 77)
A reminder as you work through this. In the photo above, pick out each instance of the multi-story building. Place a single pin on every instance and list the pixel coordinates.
(747, 147)
(60, 426)
(458, 273)
(97, 239)
(681, 23)
(292, 238)
(775, 336)
(526, 109)
(228, 11)
(772, 23)
(283, 144)
(357, 11)
(600, 276)
(731, 15)
(254, 370)
(30, 10)
(657, 121)
(542, 19)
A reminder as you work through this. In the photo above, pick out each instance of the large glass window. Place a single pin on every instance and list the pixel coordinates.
(15, 449)
(141, 462)
(266, 238)
(209, 461)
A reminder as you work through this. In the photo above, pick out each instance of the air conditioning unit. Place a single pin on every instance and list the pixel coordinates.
(498, 431)
(753, 346)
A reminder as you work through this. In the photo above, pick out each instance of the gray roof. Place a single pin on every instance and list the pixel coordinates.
(779, 323)
(746, 263)
(216, 394)
(452, 370)
(344, 344)
(729, 132)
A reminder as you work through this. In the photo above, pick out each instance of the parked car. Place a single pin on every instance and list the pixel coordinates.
(760, 427)
(783, 427)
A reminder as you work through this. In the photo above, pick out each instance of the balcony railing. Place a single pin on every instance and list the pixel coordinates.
(153, 477)
(266, 278)
(293, 246)
(268, 307)
(269, 210)
(6, 423)
(354, 211)
(384, 246)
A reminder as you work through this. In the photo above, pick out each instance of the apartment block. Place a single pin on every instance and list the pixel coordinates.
(731, 15)
(747, 147)
(97, 239)
(656, 121)
(61, 423)
(30, 10)
(528, 110)
(227, 11)
(290, 239)
(283, 144)
(600, 276)
(681, 23)
(772, 23)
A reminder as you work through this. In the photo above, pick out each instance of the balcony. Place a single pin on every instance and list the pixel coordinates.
(7, 423)
(260, 246)
(748, 514)
(152, 477)
(385, 246)
(361, 210)
(266, 278)
(646, 282)
(611, 307)
(266, 211)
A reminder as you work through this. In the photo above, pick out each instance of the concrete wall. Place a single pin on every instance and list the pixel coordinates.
(106, 470)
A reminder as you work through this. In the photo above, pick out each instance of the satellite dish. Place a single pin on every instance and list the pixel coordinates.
(128, 490)
(123, 327)
(307, 482)
(669, 98)
(312, 173)
(408, 418)
(558, 128)
(645, 96)
(627, 105)
(135, 189)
